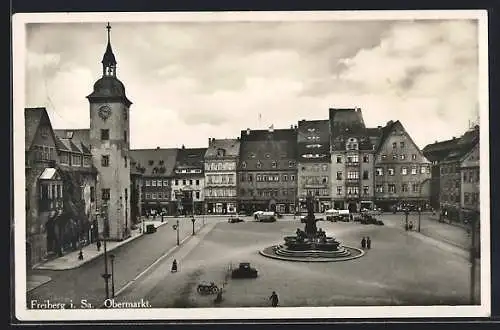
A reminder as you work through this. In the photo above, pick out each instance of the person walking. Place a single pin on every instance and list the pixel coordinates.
(363, 242)
(274, 299)
(98, 246)
(174, 266)
(368, 243)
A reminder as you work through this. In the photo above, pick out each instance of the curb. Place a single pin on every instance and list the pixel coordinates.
(39, 285)
(157, 261)
(297, 259)
(130, 239)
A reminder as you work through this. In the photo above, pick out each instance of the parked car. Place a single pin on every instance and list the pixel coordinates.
(244, 271)
(265, 216)
(234, 219)
(150, 229)
(256, 214)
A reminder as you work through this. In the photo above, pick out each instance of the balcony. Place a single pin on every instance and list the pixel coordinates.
(352, 164)
(352, 181)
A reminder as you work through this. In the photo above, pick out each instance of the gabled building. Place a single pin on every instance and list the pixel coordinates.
(352, 159)
(402, 173)
(470, 192)
(188, 182)
(220, 161)
(451, 179)
(313, 162)
(267, 170)
(154, 168)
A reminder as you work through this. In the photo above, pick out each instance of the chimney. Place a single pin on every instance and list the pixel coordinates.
(209, 141)
(183, 147)
(453, 138)
(379, 127)
(157, 148)
(248, 131)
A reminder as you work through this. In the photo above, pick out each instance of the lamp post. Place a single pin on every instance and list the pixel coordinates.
(177, 229)
(193, 221)
(106, 274)
(112, 257)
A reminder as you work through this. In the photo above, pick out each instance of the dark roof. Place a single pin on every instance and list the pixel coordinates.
(109, 57)
(385, 132)
(32, 119)
(466, 142)
(222, 148)
(190, 158)
(268, 146)
(149, 159)
(307, 145)
(109, 88)
(348, 123)
(440, 150)
(76, 140)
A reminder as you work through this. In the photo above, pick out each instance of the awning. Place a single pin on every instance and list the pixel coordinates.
(49, 174)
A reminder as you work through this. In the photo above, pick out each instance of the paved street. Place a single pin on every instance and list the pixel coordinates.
(132, 258)
(402, 268)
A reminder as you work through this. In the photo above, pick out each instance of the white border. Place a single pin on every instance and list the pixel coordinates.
(19, 50)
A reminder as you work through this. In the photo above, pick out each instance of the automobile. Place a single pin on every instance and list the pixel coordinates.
(235, 219)
(265, 217)
(256, 214)
(244, 270)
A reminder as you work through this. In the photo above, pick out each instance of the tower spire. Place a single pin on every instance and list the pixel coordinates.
(108, 60)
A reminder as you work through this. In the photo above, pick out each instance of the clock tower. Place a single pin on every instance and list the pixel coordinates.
(110, 147)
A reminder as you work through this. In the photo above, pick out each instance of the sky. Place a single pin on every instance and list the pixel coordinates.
(189, 81)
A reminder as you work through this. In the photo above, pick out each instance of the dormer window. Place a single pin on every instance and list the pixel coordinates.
(311, 130)
(151, 162)
(259, 164)
(161, 162)
(274, 164)
(252, 155)
(268, 155)
(291, 164)
(244, 165)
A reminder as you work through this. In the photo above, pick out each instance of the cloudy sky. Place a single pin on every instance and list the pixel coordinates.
(192, 80)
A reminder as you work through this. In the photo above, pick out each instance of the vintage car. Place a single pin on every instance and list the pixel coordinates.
(337, 215)
(244, 271)
(235, 219)
(265, 216)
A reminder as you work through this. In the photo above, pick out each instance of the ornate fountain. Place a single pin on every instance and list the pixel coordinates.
(311, 244)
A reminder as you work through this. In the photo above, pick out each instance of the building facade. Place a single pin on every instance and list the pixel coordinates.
(451, 176)
(402, 173)
(470, 194)
(352, 159)
(220, 163)
(188, 181)
(156, 167)
(436, 153)
(313, 162)
(267, 170)
(109, 138)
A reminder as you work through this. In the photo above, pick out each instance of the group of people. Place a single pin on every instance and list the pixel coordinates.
(366, 242)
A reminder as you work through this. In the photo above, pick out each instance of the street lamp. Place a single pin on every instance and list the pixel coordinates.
(106, 274)
(193, 221)
(176, 228)
(112, 256)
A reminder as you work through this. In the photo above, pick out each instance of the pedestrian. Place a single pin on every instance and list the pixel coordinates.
(174, 266)
(98, 246)
(80, 255)
(274, 299)
(368, 243)
(363, 242)
(411, 225)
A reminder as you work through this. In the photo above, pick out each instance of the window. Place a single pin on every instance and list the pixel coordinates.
(324, 167)
(273, 164)
(366, 158)
(379, 188)
(125, 136)
(339, 159)
(64, 158)
(365, 175)
(176, 182)
(339, 190)
(366, 190)
(379, 171)
(292, 177)
(243, 165)
(259, 164)
(391, 188)
(285, 177)
(125, 161)
(105, 194)
(394, 145)
(159, 183)
(291, 163)
(153, 183)
(197, 195)
(184, 182)
(414, 187)
(383, 157)
(86, 161)
(165, 183)
(153, 196)
(160, 195)
(104, 134)
(258, 178)
(339, 175)
(404, 187)
(197, 182)
(250, 177)
(413, 157)
(390, 171)
(404, 171)
(394, 157)
(353, 175)
(353, 159)
(105, 160)
(76, 160)
(190, 182)
(148, 183)
(402, 157)
(125, 114)
(92, 194)
(466, 198)
(413, 170)
(422, 170)
(352, 190)
(402, 145)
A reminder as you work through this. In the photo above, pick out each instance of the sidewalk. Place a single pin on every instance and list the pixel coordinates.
(34, 281)
(70, 260)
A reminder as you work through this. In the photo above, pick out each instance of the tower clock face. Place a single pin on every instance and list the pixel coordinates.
(104, 112)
